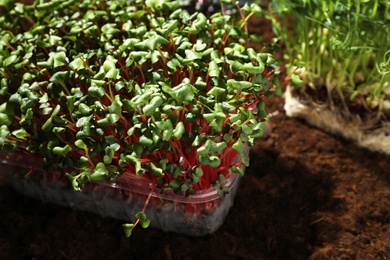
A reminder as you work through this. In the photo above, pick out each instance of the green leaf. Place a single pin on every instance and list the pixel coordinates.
(239, 84)
(62, 151)
(246, 129)
(152, 42)
(73, 181)
(20, 133)
(5, 119)
(168, 130)
(128, 229)
(3, 87)
(59, 58)
(96, 91)
(220, 193)
(296, 80)
(193, 55)
(213, 161)
(216, 91)
(141, 216)
(145, 141)
(145, 223)
(245, 159)
(196, 175)
(108, 65)
(255, 38)
(238, 170)
(154, 104)
(112, 118)
(184, 92)
(238, 146)
(155, 170)
(250, 68)
(4, 133)
(107, 159)
(176, 184)
(80, 144)
(115, 107)
(100, 173)
(60, 77)
(10, 60)
(276, 83)
(236, 67)
(179, 130)
(257, 10)
(213, 69)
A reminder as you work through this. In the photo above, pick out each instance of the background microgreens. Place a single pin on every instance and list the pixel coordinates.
(343, 45)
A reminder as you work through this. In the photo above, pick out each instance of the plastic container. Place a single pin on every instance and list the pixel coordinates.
(195, 215)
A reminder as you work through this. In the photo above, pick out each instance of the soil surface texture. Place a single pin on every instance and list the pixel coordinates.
(306, 195)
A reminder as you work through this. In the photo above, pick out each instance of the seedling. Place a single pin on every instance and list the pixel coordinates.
(100, 90)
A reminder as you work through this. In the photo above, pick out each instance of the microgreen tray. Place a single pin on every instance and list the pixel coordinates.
(194, 215)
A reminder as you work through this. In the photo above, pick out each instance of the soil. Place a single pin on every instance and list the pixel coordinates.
(306, 195)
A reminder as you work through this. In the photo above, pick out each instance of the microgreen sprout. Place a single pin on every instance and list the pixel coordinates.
(105, 89)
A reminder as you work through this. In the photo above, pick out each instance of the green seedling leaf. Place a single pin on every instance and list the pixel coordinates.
(107, 159)
(155, 170)
(238, 146)
(183, 92)
(96, 91)
(193, 55)
(176, 184)
(261, 109)
(60, 77)
(100, 173)
(276, 83)
(10, 60)
(145, 141)
(211, 160)
(167, 130)
(145, 223)
(3, 86)
(245, 159)
(4, 133)
(80, 144)
(5, 119)
(299, 64)
(150, 108)
(20, 133)
(222, 179)
(59, 59)
(196, 175)
(296, 80)
(257, 10)
(141, 216)
(216, 91)
(238, 170)
(252, 69)
(143, 220)
(47, 126)
(74, 182)
(237, 67)
(220, 193)
(115, 107)
(128, 229)
(62, 151)
(238, 84)
(256, 38)
(179, 130)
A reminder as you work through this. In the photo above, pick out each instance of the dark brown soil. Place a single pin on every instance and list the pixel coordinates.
(306, 195)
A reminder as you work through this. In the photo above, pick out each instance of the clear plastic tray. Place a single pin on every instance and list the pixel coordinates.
(195, 215)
